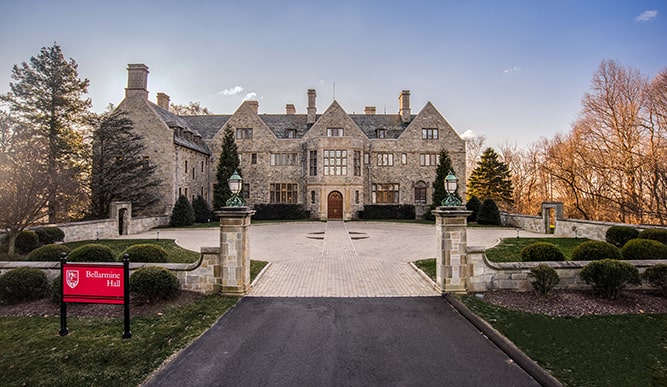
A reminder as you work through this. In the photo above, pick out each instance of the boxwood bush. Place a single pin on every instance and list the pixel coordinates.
(595, 250)
(620, 235)
(388, 211)
(23, 284)
(644, 249)
(151, 284)
(544, 279)
(57, 289)
(609, 276)
(48, 235)
(279, 212)
(50, 253)
(92, 252)
(146, 252)
(656, 234)
(541, 251)
(657, 276)
(26, 241)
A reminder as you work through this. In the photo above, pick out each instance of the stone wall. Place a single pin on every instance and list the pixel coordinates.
(108, 228)
(524, 222)
(574, 228)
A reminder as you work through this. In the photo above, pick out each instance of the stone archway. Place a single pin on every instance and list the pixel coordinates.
(335, 205)
(547, 207)
(121, 212)
(122, 227)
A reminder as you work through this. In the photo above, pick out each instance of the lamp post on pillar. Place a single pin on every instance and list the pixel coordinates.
(233, 268)
(451, 224)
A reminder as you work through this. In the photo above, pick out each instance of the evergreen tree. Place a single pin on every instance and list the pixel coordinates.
(182, 214)
(444, 167)
(48, 99)
(202, 210)
(488, 213)
(120, 172)
(491, 179)
(228, 163)
(473, 205)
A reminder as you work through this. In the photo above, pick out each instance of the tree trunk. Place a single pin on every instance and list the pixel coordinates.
(11, 246)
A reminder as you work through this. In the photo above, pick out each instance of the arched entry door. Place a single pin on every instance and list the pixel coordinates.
(335, 205)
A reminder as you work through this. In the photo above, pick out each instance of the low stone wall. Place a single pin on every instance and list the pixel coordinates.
(108, 228)
(574, 228)
(524, 222)
(488, 276)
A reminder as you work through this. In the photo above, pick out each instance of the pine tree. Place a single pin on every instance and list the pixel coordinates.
(48, 99)
(183, 214)
(491, 179)
(120, 171)
(444, 167)
(228, 163)
(202, 210)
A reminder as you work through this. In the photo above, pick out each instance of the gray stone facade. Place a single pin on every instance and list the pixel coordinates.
(332, 163)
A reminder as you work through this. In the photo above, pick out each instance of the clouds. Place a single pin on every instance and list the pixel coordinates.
(250, 96)
(231, 91)
(646, 16)
(512, 70)
(468, 134)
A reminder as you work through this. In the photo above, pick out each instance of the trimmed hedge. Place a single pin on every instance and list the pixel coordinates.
(388, 211)
(656, 234)
(48, 235)
(544, 279)
(595, 250)
(644, 249)
(620, 235)
(155, 283)
(541, 251)
(609, 276)
(92, 252)
(23, 284)
(49, 253)
(279, 212)
(26, 241)
(657, 276)
(146, 252)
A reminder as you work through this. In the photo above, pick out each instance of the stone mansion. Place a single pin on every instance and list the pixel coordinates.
(333, 163)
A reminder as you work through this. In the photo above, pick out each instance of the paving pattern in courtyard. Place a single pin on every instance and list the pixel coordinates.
(340, 272)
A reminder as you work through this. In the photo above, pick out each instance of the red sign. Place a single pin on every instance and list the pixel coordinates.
(93, 283)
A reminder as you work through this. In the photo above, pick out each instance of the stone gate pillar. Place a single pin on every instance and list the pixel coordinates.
(451, 263)
(234, 259)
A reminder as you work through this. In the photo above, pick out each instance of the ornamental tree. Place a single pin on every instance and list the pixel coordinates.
(227, 164)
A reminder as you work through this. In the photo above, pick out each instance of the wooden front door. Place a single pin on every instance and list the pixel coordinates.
(335, 205)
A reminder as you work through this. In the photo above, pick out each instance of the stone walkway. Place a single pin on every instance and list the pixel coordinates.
(340, 272)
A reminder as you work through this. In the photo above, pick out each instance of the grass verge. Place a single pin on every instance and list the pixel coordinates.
(177, 254)
(427, 266)
(622, 350)
(509, 249)
(94, 353)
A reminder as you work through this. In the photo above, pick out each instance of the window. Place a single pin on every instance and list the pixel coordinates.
(334, 132)
(282, 159)
(290, 133)
(385, 159)
(312, 197)
(193, 173)
(367, 158)
(382, 133)
(356, 197)
(245, 191)
(146, 162)
(202, 167)
(186, 167)
(357, 163)
(404, 158)
(253, 158)
(335, 162)
(312, 163)
(428, 159)
(282, 193)
(420, 192)
(384, 193)
(429, 134)
(244, 133)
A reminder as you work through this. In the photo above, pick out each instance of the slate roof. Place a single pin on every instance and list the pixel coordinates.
(369, 123)
(172, 120)
(207, 125)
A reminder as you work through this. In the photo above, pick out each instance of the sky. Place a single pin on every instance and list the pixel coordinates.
(512, 71)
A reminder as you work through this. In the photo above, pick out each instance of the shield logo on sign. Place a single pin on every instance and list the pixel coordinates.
(72, 278)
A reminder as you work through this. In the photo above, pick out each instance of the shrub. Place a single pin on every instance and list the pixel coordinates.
(657, 276)
(595, 250)
(150, 284)
(473, 205)
(544, 279)
(26, 241)
(48, 235)
(488, 213)
(620, 235)
(50, 253)
(91, 253)
(57, 289)
(202, 211)
(389, 211)
(183, 214)
(644, 249)
(279, 211)
(541, 251)
(656, 234)
(23, 284)
(609, 276)
(146, 252)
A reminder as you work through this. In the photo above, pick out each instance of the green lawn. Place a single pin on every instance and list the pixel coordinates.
(176, 253)
(509, 249)
(624, 350)
(427, 266)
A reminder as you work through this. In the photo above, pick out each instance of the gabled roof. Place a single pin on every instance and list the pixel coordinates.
(173, 121)
(207, 125)
(369, 123)
(279, 123)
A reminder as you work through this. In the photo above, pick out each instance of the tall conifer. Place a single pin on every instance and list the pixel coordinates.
(228, 163)
(491, 179)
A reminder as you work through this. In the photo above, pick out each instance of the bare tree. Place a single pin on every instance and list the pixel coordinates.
(474, 149)
(191, 109)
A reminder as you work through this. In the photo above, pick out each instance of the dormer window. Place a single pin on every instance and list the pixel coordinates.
(382, 133)
(334, 132)
(290, 133)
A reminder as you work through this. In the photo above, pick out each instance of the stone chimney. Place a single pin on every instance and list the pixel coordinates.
(370, 110)
(137, 80)
(290, 109)
(254, 105)
(312, 109)
(163, 101)
(404, 106)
